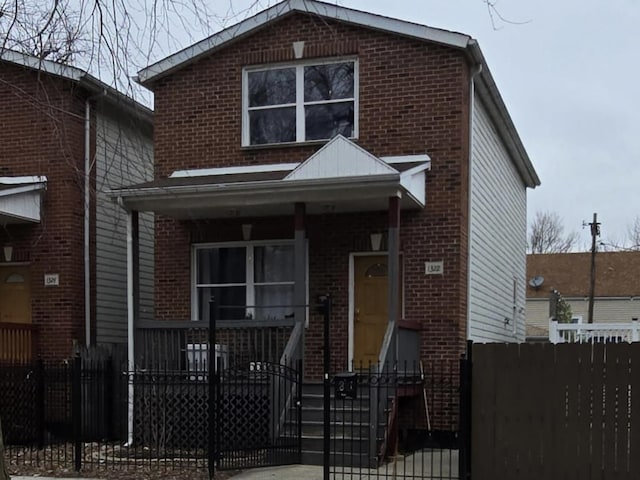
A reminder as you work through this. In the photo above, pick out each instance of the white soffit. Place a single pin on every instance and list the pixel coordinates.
(340, 158)
(21, 199)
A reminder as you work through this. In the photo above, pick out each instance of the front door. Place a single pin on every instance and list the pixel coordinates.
(370, 313)
(15, 295)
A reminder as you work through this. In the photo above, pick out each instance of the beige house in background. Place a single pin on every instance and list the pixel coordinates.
(617, 291)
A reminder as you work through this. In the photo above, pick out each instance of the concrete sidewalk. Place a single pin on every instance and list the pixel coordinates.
(421, 464)
(290, 472)
(31, 477)
(38, 477)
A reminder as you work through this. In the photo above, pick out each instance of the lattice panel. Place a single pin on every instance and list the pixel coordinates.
(171, 414)
(17, 405)
(244, 417)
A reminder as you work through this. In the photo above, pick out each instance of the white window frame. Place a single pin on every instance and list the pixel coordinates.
(300, 103)
(249, 283)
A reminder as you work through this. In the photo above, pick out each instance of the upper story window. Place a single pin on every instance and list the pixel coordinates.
(300, 103)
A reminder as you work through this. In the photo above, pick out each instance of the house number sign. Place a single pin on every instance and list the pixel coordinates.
(434, 268)
(51, 279)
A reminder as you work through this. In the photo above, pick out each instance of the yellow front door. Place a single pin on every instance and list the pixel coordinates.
(15, 295)
(370, 309)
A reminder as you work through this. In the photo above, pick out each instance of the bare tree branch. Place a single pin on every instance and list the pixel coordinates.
(546, 235)
(495, 15)
(631, 242)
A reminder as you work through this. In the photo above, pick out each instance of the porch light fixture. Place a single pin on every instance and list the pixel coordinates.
(8, 253)
(376, 241)
(246, 231)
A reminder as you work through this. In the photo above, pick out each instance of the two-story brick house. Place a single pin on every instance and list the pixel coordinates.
(317, 149)
(65, 139)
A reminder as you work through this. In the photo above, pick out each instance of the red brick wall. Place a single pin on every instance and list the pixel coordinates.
(42, 133)
(413, 99)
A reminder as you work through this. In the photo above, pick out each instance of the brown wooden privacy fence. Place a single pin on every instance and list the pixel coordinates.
(569, 411)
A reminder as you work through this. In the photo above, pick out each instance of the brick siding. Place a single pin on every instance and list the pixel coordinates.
(42, 133)
(413, 100)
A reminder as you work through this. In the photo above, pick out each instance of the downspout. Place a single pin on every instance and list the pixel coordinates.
(475, 71)
(87, 216)
(130, 327)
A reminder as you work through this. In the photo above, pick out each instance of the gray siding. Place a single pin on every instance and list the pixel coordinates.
(498, 224)
(124, 155)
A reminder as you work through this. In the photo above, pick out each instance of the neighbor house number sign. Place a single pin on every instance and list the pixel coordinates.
(51, 279)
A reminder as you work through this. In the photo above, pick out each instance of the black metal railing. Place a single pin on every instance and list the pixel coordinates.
(398, 421)
(91, 414)
(182, 345)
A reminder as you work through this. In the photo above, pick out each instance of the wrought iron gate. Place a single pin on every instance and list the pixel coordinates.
(257, 415)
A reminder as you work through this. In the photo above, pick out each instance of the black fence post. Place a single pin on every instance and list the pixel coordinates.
(40, 402)
(213, 379)
(464, 458)
(325, 308)
(108, 398)
(299, 409)
(76, 410)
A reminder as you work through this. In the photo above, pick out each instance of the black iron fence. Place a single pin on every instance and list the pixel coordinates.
(93, 415)
(399, 422)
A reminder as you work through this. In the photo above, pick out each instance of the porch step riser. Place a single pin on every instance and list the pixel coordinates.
(317, 415)
(350, 428)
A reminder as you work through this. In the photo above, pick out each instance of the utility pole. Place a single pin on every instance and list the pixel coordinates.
(595, 232)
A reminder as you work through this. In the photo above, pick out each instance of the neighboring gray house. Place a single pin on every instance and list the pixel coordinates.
(124, 154)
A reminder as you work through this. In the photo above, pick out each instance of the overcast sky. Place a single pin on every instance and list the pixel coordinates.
(568, 74)
(569, 77)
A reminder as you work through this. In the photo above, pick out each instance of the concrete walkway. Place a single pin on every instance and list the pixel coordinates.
(427, 463)
(289, 472)
(38, 477)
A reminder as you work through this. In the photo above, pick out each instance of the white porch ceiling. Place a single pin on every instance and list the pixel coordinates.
(21, 199)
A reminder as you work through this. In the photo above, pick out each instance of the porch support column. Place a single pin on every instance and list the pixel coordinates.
(300, 263)
(394, 270)
(133, 306)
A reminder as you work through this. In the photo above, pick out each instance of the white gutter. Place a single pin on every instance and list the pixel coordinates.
(262, 186)
(87, 217)
(472, 105)
(21, 189)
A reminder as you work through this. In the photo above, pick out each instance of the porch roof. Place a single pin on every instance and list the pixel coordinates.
(340, 177)
(20, 199)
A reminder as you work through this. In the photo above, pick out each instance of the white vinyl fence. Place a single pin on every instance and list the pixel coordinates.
(594, 332)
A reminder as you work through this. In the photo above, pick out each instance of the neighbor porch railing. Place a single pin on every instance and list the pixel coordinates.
(17, 342)
(594, 332)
